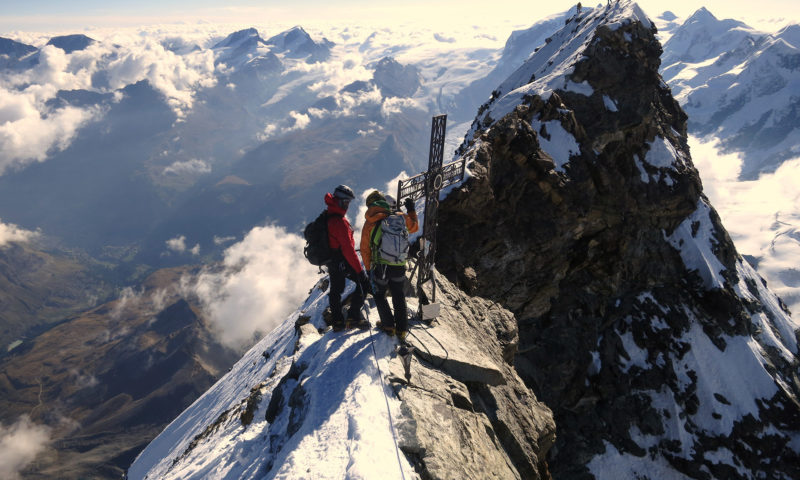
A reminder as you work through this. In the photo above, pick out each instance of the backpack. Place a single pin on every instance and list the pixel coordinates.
(389, 240)
(317, 249)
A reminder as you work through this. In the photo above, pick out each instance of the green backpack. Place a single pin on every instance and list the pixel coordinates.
(389, 241)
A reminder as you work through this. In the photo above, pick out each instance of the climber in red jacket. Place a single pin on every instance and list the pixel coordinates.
(345, 263)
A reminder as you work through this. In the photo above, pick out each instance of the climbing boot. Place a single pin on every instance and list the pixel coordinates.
(363, 324)
(389, 329)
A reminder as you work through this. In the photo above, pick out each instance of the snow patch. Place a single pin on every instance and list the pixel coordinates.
(611, 105)
(662, 154)
(637, 356)
(728, 383)
(694, 238)
(560, 146)
(613, 465)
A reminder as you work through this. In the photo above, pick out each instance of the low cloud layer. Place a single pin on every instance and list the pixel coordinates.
(19, 445)
(31, 128)
(264, 278)
(761, 215)
(178, 245)
(29, 131)
(178, 62)
(12, 233)
(188, 167)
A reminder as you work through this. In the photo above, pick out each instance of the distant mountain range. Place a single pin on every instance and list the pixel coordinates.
(139, 173)
(740, 86)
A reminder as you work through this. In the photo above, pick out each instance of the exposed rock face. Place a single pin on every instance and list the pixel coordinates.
(71, 43)
(639, 324)
(467, 414)
(395, 79)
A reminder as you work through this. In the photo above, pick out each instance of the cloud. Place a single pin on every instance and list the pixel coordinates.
(263, 279)
(12, 233)
(178, 245)
(301, 121)
(29, 130)
(176, 76)
(19, 445)
(188, 167)
(761, 215)
(220, 240)
(395, 105)
(441, 38)
(128, 296)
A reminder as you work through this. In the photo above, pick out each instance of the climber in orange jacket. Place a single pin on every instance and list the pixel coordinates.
(387, 273)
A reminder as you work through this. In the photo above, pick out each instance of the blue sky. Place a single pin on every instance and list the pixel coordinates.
(59, 15)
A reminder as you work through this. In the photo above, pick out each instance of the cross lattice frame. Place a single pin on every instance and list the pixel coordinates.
(428, 185)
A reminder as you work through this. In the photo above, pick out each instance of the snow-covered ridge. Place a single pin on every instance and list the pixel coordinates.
(549, 68)
(306, 402)
(214, 439)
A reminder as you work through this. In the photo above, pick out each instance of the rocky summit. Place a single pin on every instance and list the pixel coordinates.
(660, 351)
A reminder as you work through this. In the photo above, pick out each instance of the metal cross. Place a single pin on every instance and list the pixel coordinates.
(428, 185)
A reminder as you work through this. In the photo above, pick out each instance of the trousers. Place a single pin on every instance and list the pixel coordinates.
(390, 278)
(338, 271)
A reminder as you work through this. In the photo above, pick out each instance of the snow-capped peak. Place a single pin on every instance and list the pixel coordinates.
(550, 67)
(239, 37)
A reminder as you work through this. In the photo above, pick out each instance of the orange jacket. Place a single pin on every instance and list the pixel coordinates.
(375, 214)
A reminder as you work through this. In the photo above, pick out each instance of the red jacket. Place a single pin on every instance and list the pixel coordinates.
(340, 234)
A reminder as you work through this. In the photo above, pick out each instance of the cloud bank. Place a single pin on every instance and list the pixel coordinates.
(12, 233)
(32, 127)
(19, 445)
(178, 245)
(760, 215)
(263, 279)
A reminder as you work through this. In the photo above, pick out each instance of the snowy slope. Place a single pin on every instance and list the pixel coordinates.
(551, 65)
(345, 432)
(306, 404)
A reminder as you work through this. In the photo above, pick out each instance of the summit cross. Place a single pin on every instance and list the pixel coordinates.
(427, 185)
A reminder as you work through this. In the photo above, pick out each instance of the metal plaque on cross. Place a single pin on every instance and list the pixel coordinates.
(428, 185)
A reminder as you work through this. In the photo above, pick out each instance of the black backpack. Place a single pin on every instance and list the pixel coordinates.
(317, 250)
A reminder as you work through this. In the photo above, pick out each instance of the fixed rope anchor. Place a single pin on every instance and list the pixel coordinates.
(405, 352)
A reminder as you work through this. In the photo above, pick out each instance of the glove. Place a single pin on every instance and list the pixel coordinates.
(364, 283)
(409, 204)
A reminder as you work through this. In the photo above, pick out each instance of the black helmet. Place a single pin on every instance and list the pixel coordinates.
(344, 192)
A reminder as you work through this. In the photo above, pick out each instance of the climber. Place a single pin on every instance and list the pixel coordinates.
(384, 249)
(345, 263)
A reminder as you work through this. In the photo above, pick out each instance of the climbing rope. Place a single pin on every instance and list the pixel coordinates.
(430, 355)
(386, 398)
